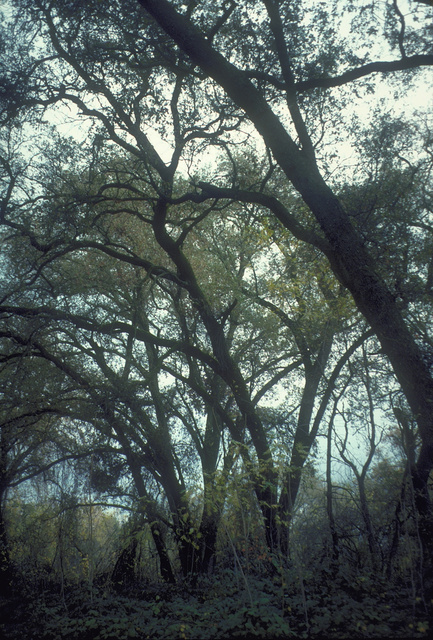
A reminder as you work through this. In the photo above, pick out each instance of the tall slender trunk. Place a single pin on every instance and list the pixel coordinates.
(365, 512)
(213, 496)
(305, 436)
(160, 440)
(329, 492)
(6, 574)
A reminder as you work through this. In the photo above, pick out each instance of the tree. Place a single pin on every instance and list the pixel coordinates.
(112, 235)
(33, 438)
(345, 250)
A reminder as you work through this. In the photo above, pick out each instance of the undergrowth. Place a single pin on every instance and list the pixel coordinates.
(227, 606)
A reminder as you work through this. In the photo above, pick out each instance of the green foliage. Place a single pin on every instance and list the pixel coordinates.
(50, 541)
(335, 605)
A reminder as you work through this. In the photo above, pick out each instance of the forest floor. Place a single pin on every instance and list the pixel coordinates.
(228, 606)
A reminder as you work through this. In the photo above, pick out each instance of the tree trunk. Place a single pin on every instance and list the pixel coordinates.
(213, 495)
(5, 564)
(124, 570)
(365, 512)
(329, 497)
(305, 436)
(149, 509)
(209, 530)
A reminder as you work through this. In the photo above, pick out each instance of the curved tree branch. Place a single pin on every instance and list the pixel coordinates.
(391, 66)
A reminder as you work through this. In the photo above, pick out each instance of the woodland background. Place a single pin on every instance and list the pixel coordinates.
(216, 288)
